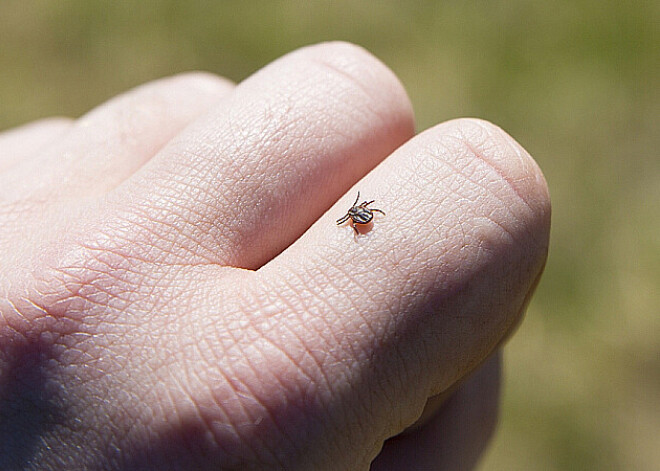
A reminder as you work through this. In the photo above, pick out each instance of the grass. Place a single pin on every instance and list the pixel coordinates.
(576, 82)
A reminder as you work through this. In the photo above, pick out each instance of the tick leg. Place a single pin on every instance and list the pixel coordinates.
(378, 210)
(355, 229)
(357, 199)
(343, 219)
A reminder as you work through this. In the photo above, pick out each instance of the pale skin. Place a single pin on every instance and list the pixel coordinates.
(175, 292)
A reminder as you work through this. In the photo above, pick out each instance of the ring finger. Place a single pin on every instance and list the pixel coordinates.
(108, 144)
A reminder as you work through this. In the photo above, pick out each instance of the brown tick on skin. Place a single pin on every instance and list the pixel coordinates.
(359, 214)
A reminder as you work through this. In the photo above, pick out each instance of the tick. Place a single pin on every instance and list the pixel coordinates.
(359, 213)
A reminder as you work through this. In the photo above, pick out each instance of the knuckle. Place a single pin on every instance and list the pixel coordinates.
(340, 53)
(72, 281)
(515, 199)
(369, 84)
(484, 168)
(492, 146)
(200, 80)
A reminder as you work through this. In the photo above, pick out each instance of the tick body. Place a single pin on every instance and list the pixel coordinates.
(359, 213)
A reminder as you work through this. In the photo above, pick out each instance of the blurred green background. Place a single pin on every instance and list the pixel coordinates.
(576, 82)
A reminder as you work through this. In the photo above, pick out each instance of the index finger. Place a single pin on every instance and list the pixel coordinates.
(425, 296)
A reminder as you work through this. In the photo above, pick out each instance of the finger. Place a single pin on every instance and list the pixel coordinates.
(401, 313)
(457, 435)
(248, 179)
(18, 144)
(108, 144)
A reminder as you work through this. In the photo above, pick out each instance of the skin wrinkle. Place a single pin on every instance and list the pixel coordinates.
(336, 361)
(141, 230)
(286, 388)
(462, 227)
(185, 387)
(356, 81)
(180, 416)
(307, 352)
(323, 333)
(152, 237)
(155, 292)
(482, 156)
(461, 172)
(18, 325)
(240, 428)
(178, 232)
(110, 245)
(235, 387)
(330, 307)
(86, 293)
(284, 175)
(159, 250)
(111, 293)
(325, 383)
(350, 384)
(307, 348)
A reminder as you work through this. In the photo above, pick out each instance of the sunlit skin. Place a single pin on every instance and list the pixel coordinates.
(175, 292)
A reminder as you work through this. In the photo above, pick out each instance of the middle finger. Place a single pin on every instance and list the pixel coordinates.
(247, 180)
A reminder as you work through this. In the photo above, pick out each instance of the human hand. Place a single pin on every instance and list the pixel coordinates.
(175, 293)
